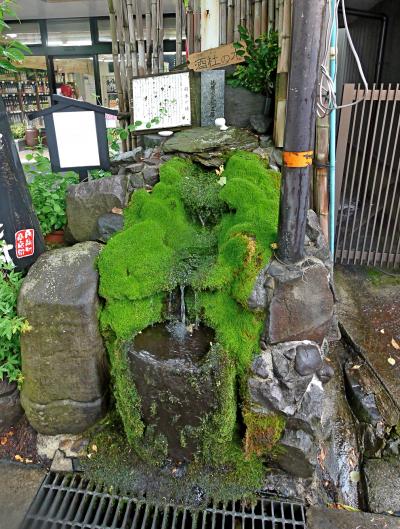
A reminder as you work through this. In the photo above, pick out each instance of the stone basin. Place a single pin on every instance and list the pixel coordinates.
(174, 377)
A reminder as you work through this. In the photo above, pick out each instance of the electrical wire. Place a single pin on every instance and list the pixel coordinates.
(327, 101)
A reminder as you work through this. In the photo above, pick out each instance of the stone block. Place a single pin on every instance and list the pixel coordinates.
(63, 357)
(88, 201)
(382, 478)
(302, 304)
(241, 104)
(108, 225)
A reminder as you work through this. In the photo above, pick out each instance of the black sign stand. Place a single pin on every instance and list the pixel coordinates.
(67, 104)
(20, 230)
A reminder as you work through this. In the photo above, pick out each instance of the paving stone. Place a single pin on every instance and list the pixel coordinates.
(322, 518)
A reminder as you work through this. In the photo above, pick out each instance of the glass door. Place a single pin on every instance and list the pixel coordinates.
(75, 77)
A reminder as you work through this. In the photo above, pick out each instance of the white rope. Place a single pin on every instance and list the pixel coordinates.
(327, 90)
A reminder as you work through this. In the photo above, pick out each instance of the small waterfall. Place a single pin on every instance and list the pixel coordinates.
(197, 321)
(183, 306)
(170, 304)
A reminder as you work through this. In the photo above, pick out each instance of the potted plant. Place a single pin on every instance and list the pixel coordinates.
(48, 191)
(250, 88)
(11, 328)
(32, 136)
(18, 131)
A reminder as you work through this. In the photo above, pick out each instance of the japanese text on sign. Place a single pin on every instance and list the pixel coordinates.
(24, 243)
(214, 58)
(162, 101)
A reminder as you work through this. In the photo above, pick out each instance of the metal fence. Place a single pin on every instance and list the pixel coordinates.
(368, 184)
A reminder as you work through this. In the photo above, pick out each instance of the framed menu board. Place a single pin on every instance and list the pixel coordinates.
(162, 101)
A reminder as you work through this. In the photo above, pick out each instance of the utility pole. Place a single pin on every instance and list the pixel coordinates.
(298, 152)
(21, 239)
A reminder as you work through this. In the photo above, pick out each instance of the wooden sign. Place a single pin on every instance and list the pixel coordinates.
(214, 58)
(162, 101)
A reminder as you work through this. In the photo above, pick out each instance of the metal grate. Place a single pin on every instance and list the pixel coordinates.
(67, 501)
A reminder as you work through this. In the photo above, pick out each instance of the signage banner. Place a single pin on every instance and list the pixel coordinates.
(214, 58)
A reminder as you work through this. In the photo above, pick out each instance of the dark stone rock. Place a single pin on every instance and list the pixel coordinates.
(152, 140)
(308, 359)
(151, 175)
(63, 356)
(148, 153)
(299, 457)
(275, 385)
(210, 142)
(135, 167)
(382, 478)
(240, 104)
(275, 159)
(302, 304)
(88, 201)
(108, 225)
(136, 181)
(261, 123)
(262, 292)
(325, 373)
(323, 518)
(10, 407)
(176, 384)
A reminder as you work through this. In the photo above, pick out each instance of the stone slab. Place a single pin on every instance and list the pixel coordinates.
(382, 478)
(322, 518)
(19, 484)
(365, 310)
(212, 96)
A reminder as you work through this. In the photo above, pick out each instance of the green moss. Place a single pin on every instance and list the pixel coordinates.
(263, 433)
(192, 231)
(382, 278)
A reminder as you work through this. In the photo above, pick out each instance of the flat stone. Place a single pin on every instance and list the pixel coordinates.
(64, 362)
(88, 201)
(61, 463)
(206, 139)
(382, 478)
(135, 167)
(302, 305)
(308, 359)
(71, 445)
(130, 156)
(10, 406)
(109, 224)
(322, 518)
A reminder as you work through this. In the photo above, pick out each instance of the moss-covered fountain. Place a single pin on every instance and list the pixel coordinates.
(180, 333)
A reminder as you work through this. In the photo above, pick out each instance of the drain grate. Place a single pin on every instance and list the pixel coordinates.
(67, 501)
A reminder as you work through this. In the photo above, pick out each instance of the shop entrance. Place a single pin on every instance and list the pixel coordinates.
(75, 77)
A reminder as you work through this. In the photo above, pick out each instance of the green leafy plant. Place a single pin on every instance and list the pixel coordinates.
(18, 131)
(48, 191)
(11, 325)
(11, 51)
(258, 73)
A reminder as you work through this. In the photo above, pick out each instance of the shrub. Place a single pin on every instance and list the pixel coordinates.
(18, 131)
(258, 73)
(48, 191)
(11, 325)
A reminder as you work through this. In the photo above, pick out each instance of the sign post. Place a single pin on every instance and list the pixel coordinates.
(76, 135)
(21, 239)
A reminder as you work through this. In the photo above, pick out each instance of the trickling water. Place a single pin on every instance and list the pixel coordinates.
(197, 320)
(183, 306)
(170, 304)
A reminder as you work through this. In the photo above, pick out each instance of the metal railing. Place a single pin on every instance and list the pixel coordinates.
(367, 177)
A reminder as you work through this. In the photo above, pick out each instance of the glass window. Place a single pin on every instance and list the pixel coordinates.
(26, 32)
(104, 30)
(69, 32)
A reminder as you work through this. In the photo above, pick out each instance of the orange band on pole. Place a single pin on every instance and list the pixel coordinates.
(298, 159)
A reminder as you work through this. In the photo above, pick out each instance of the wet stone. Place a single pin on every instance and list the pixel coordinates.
(325, 373)
(175, 382)
(308, 359)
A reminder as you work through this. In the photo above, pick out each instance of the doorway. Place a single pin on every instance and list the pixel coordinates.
(75, 77)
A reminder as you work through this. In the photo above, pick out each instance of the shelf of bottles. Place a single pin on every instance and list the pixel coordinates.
(25, 92)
